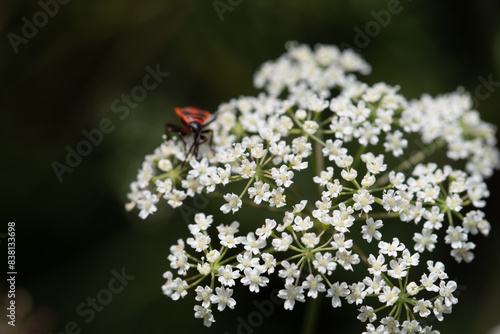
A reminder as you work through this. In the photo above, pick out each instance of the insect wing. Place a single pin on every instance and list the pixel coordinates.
(191, 114)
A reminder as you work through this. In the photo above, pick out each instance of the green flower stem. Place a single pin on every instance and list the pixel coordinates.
(357, 158)
(443, 193)
(361, 254)
(450, 217)
(297, 241)
(318, 139)
(192, 285)
(311, 315)
(192, 258)
(389, 186)
(267, 161)
(380, 308)
(346, 202)
(326, 121)
(320, 163)
(229, 259)
(301, 255)
(458, 214)
(247, 186)
(296, 249)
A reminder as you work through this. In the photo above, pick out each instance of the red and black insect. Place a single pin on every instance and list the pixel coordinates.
(194, 121)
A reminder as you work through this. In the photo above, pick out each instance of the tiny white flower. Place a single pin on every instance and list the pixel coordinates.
(440, 308)
(301, 114)
(233, 203)
(463, 252)
(228, 229)
(282, 244)
(164, 186)
(454, 202)
(411, 260)
(377, 265)
(368, 180)
(357, 294)
(362, 200)
(246, 260)
(247, 169)
(283, 176)
(374, 285)
(333, 189)
(336, 291)
(425, 240)
(260, 191)
(213, 256)
(392, 248)
(203, 295)
(389, 295)
(324, 263)
(165, 165)
(205, 314)
(269, 263)
(410, 327)
(344, 161)
(204, 268)
(202, 223)
(412, 288)
(265, 231)
(395, 143)
(346, 259)
(147, 204)
(349, 175)
(370, 230)
(325, 177)
(175, 198)
(434, 218)
(340, 243)
(179, 289)
(257, 151)
(366, 314)
(252, 243)
(277, 198)
(300, 224)
(290, 272)
(227, 275)
(334, 149)
(313, 285)
(254, 280)
(223, 298)
(446, 290)
(199, 167)
(291, 294)
(398, 269)
(200, 241)
(428, 282)
(310, 240)
(310, 127)
(423, 308)
(455, 236)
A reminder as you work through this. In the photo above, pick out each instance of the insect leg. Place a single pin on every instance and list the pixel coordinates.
(180, 131)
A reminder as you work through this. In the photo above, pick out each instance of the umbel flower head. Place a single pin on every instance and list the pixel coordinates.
(375, 159)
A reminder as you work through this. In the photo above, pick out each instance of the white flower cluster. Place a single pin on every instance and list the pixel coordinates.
(327, 157)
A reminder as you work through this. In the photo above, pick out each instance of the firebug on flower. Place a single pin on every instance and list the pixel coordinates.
(194, 122)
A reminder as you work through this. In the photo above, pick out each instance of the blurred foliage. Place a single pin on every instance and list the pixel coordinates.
(64, 80)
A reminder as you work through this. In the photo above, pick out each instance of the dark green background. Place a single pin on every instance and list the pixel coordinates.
(72, 234)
